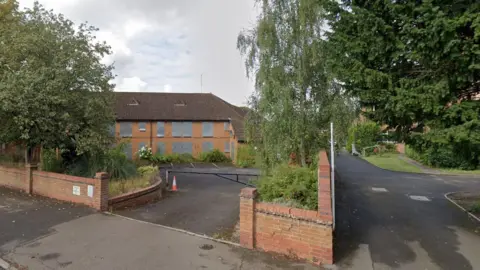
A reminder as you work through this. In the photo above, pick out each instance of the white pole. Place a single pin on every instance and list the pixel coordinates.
(332, 174)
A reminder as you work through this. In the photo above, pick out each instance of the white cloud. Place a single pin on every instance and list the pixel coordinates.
(164, 42)
(167, 88)
(133, 84)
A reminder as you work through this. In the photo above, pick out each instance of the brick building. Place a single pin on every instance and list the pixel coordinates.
(178, 123)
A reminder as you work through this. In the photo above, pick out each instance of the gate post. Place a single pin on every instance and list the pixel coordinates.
(247, 215)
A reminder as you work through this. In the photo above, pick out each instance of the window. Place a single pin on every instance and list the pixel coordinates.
(227, 147)
(125, 129)
(187, 129)
(207, 146)
(160, 129)
(207, 129)
(142, 126)
(182, 129)
(226, 126)
(177, 129)
(141, 145)
(128, 150)
(182, 147)
(111, 130)
(161, 148)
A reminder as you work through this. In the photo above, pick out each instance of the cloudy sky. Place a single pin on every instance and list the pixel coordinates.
(165, 45)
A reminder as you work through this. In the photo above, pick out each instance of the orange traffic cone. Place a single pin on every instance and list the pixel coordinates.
(174, 185)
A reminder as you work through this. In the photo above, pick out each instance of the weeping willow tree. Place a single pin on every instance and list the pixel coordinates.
(296, 97)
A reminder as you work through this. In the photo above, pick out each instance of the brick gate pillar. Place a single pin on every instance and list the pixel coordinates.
(247, 216)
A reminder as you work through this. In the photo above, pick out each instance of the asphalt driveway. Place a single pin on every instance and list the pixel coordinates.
(392, 220)
(24, 218)
(204, 204)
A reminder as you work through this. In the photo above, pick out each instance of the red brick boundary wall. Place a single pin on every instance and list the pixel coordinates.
(300, 233)
(92, 192)
(138, 197)
(401, 148)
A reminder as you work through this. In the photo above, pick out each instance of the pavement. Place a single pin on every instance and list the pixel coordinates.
(24, 218)
(394, 220)
(204, 204)
(103, 242)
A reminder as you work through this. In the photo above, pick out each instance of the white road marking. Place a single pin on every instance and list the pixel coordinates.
(193, 166)
(379, 189)
(215, 165)
(419, 198)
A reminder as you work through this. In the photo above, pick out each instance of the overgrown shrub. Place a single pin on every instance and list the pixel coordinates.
(443, 154)
(294, 185)
(363, 135)
(114, 162)
(145, 153)
(50, 162)
(158, 159)
(246, 156)
(147, 171)
(215, 156)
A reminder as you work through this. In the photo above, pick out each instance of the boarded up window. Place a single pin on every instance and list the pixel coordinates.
(227, 147)
(182, 129)
(187, 129)
(182, 147)
(207, 146)
(177, 129)
(161, 148)
(207, 129)
(128, 150)
(125, 129)
(160, 129)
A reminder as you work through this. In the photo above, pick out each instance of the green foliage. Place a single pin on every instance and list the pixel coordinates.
(444, 153)
(50, 163)
(363, 135)
(297, 185)
(147, 171)
(415, 65)
(173, 158)
(475, 208)
(215, 156)
(114, 162)
(296, 97)
(246, 156)
(54, 90)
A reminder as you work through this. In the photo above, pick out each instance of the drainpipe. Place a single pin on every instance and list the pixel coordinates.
(151, 135)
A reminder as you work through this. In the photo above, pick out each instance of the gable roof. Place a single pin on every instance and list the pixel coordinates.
(146, 106)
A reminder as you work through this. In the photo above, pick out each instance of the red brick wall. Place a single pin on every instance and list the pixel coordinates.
(300, 233)
(401, 148)
(58, 186)
(12, 177)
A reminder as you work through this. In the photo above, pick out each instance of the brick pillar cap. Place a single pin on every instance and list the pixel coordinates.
(248, 193)
(101, 175)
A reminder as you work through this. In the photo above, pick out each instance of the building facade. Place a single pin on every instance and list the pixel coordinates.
(178, 123)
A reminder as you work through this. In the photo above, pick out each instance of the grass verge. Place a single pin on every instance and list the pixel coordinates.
(391, 161)
(468, 200)
(119, 187)
(458, 171)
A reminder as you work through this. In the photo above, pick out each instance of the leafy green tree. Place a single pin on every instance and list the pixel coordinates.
(54, 90)
(295, 97)
(417, 63)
